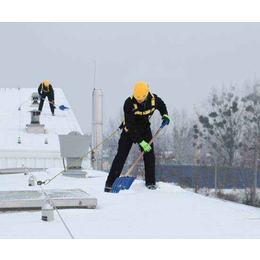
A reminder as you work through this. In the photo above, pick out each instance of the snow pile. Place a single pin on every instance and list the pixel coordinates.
(168, 212)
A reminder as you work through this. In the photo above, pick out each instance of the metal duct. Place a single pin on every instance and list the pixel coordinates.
(97, 128)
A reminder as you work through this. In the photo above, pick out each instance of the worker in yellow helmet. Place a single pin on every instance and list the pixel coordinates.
(46, 90)
(138, 109)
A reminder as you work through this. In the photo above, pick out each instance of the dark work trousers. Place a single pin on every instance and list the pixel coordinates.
(50, 98)
(124, 146)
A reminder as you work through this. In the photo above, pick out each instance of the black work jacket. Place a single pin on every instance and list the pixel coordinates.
(136, 121)
(46, 91)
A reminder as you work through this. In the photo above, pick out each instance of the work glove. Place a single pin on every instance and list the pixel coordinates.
(146, 147)
(165, 120)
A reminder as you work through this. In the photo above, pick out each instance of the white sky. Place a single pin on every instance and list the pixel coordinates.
(180, 61)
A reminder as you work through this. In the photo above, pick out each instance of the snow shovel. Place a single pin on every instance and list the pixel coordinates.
(125, 182)
(62, 107)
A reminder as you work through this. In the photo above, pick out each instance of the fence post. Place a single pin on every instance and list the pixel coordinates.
(255, 175)
(216, 175)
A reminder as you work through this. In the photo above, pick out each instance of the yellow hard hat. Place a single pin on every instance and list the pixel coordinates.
(46, 83)
(141, 90)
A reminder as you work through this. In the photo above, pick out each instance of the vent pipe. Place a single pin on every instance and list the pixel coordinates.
(97, 128)
(35, 98)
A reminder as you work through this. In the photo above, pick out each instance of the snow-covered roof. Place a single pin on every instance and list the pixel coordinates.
(14, 121)
(168, 212)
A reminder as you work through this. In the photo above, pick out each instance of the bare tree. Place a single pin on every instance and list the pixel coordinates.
(252, 137)
(222, 126)
(182, 137)
(252, 115)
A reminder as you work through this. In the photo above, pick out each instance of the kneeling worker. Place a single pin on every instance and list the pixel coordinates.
(138, 109)
(45, 90)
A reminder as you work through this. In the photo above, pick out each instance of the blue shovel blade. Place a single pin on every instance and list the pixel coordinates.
(122, 183)
(62, 107)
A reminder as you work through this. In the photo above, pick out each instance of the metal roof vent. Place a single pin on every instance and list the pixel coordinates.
(35, 116)
(35, 98)
(35, 127)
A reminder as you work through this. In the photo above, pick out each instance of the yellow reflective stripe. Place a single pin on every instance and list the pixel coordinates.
(138, 113)
(124, 126)
(153, 102)
(147, 112)
(48, 88)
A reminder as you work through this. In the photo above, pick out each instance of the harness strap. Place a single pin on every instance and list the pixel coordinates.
(142, 113)
(48, 88)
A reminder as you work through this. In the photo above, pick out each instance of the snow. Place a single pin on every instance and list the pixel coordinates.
(168, 212)
(11, 98)
(33, 151)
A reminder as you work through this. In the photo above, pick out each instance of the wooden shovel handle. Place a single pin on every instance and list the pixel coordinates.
(142, 153)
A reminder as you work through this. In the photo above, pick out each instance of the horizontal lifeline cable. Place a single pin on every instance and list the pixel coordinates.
(47, 198)
(19, 107)
(47, 181)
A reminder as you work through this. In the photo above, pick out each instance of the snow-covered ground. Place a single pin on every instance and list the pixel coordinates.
(168, 212)
(236, 195)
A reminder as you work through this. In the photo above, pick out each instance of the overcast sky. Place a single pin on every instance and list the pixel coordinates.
(180, 61)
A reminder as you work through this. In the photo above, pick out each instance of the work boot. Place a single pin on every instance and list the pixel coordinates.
(151, 186)
(108, 188)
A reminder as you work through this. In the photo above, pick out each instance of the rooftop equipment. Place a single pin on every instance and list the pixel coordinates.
(47, 212)
(35, 98)
(35, 127)
(72, 147)
(20, 200)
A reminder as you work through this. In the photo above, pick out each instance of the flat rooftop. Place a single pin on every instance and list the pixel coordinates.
(13, 123)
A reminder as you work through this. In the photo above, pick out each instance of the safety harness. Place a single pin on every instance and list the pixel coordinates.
(45, 87)
(148, 112)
